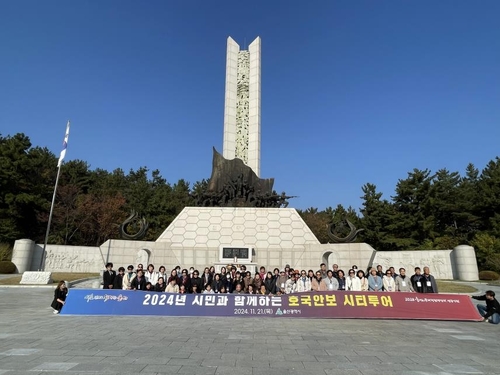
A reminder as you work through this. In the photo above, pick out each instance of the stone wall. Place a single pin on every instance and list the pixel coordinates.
(278, 236)
(440, 262)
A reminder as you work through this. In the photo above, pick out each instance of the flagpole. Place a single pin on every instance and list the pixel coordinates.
(59, 163)
(50, 219)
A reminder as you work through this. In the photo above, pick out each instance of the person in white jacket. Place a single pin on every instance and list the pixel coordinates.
(388, 281)
(290, 285)
(151, 275)
(303, 283)
(128, 277)
(352, 282)
(172, 287)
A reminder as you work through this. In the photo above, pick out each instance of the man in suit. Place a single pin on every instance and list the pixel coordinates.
(417, 281)
(108, 277)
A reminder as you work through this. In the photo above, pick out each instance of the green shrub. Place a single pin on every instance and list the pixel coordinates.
(5, 251)
(6, 266)
(488, 275)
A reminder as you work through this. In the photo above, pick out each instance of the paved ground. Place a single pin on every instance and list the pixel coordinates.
(34, 341)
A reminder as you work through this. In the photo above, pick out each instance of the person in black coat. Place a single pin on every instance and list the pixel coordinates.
(417, 281)
(196, 280)
(270, 283)
(139, 282)
(59, 297)
(160, 285)
(185, 281)
(118, 281)
(217, 283)
(108, 277)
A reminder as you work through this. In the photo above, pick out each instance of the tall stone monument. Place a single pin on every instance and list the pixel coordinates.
(242, 104)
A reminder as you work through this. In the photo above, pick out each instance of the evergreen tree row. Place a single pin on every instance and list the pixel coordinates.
(428, 211)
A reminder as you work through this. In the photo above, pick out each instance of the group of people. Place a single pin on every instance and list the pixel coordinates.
(236, 279)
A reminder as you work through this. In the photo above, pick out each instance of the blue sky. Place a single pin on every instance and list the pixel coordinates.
(352, 91)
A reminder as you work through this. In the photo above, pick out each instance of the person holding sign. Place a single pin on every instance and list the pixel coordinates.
(490, 312)
(59, 297)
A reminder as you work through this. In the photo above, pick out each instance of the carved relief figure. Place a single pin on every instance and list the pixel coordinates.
(142, 257)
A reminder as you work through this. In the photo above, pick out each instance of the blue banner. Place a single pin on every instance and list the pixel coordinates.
(123, 302)
(337, 304)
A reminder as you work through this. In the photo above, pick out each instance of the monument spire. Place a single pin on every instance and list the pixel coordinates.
(242, 104)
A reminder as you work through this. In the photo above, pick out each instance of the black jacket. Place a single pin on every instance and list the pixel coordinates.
(139, 285)
(492, 305)
(59, 294)
(108, 278)
(207, 279)
(118, 282)
(186, 282)
(430, 285)
(416, 279)
(270, 285)
(160, 288)
(198, 281)
(216, 285)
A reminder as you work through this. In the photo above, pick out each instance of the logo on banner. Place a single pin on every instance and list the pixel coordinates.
(105, 297)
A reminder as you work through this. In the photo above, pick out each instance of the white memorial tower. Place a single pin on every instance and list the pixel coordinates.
(242, 104)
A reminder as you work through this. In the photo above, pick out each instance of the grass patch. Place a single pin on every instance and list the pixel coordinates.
(496, 282)
(56, 277)
(489, 282)
(451, 287)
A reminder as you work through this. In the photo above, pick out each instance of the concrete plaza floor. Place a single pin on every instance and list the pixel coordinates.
(35, 341)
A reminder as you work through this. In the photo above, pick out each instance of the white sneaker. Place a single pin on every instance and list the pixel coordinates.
(56, 312)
